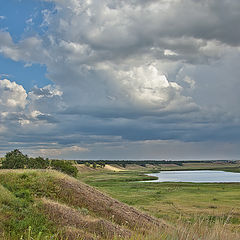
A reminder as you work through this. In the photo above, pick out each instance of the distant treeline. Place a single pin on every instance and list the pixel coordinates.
(145, 162)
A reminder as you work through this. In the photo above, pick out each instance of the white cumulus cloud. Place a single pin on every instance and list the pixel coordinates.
(12, 95)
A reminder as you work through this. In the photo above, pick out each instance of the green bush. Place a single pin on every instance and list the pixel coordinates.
(87, 164)
(65, 167)
(102, 164)
(94, 165)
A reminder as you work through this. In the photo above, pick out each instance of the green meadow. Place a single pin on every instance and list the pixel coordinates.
(188, 202)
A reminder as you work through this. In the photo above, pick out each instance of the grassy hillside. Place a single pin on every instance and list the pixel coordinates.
(57, 206)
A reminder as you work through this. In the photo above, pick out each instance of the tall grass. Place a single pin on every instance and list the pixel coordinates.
(200, 230)
(197, 231)
(29, 235)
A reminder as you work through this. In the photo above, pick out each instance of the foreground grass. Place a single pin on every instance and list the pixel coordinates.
(18, 207)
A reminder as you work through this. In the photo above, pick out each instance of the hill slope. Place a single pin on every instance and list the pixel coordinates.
(58, 206)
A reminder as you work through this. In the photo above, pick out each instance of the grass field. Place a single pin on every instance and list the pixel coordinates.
(190, 202)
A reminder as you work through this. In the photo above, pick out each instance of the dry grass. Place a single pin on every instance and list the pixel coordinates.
(79, 194)
(72, 233)
(82, 168)
(203, 231)
(196, 231)
(66, 216)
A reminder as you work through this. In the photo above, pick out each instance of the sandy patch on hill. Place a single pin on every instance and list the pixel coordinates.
(112, 168)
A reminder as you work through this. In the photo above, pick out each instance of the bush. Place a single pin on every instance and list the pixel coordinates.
(87, 164)
(65, 167)
(102, 164)
(94, 165)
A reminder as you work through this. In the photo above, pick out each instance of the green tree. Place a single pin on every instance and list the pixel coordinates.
(37, 163)
(14, 160)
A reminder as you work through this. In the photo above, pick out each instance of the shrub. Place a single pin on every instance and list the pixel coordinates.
(64, 166)
(102, 164)
(94, 165)
(87, 164)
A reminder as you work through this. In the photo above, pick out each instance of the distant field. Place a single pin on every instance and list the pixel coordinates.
(205, 166)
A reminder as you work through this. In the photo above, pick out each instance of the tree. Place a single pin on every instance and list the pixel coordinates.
(14, 160)
(37, 163)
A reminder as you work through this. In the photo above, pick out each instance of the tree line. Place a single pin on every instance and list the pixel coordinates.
(17, 160)
(143, 163)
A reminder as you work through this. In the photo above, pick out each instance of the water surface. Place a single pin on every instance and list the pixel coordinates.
(202, 176)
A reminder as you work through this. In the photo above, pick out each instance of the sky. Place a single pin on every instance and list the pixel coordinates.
(129, 79)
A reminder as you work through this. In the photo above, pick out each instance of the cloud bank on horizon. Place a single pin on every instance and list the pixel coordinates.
(121, 79)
